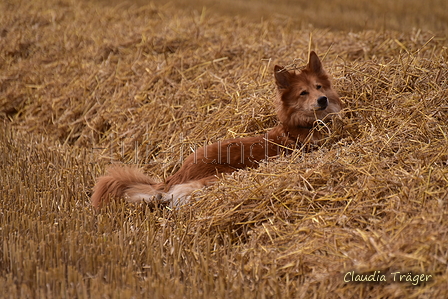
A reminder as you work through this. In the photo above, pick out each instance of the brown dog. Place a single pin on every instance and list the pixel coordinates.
(303, 98)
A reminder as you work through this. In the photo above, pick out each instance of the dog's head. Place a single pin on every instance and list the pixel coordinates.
(305, 96)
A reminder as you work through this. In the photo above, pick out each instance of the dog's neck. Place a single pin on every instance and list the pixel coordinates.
(298, 135)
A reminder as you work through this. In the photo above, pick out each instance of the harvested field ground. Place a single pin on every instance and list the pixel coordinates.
(84, 84)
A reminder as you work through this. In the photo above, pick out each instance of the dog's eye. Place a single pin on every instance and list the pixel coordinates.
(318, 86)
(304, 93)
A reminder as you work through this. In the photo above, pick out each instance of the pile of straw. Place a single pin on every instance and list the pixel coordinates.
(84, 85)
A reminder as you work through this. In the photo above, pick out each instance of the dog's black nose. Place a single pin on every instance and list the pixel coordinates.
(322, 102)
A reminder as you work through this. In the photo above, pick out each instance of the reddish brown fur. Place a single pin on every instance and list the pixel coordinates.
(303, 97)
(119, 181)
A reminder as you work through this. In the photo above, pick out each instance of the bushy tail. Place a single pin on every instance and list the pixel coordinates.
(125, 182)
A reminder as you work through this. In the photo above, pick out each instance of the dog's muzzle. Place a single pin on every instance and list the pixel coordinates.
(322, 103)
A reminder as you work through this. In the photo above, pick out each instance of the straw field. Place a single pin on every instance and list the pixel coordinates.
(84, 84)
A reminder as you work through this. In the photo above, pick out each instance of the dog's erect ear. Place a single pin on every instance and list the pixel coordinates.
(314, 64)
(282, 77)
